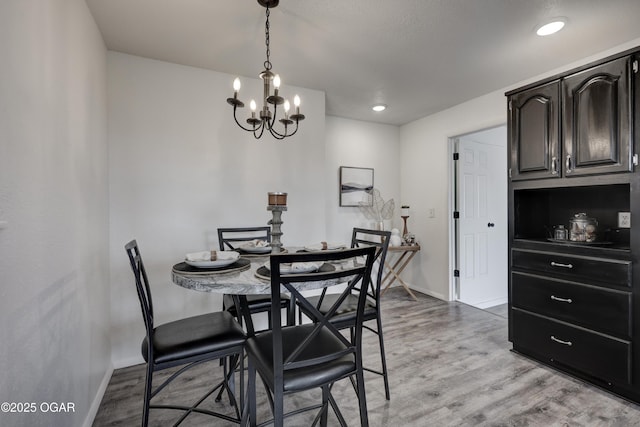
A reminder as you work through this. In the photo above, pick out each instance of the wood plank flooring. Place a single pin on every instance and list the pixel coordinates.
(449, 364)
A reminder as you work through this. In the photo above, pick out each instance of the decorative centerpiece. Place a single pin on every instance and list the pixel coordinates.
(375, 208)
(277, 204)
(404, 214)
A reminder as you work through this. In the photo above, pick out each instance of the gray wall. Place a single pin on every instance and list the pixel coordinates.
(54, 270)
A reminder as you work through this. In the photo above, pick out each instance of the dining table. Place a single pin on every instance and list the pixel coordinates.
(249, 275)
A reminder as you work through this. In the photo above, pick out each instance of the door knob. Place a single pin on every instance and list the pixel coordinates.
(491, 224)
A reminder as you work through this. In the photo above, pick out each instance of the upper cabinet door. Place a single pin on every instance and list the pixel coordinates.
(597, 120)
(534, 132)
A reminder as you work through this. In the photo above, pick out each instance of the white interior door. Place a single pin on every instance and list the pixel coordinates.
(482, 223)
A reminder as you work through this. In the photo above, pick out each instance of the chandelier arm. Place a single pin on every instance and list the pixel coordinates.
(294, 132)
(255, 135)
(277, 135)
(239, 124)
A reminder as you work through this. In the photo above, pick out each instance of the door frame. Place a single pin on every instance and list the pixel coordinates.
(454, 264)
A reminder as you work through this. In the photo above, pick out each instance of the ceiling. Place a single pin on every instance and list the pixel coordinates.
(417, 56)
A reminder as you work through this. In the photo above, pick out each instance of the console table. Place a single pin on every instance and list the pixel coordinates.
(394, 269)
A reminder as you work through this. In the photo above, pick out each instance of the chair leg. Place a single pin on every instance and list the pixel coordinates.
(251, 386)
(362, 398)
(147, 395)
(383, 358)
(325, 406)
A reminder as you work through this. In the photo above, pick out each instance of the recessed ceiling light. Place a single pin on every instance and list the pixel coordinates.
(551, 27)
(379, 107)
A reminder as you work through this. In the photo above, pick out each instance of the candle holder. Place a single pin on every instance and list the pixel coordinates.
(404, 214)
(277, 205)
(405, 232)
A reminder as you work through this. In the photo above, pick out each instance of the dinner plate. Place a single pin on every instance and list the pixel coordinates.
(227, 258)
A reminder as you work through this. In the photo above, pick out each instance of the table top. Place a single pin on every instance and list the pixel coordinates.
(240, 283)
(405, 248)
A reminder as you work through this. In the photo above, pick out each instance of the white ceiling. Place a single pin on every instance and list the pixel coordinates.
(417, 56)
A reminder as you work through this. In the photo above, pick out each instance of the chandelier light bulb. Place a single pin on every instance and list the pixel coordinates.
(296, 101)
(287, 105)
(276, 81)
(236, 84)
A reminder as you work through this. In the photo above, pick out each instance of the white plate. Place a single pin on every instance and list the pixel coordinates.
(211, 264)
(256, 249)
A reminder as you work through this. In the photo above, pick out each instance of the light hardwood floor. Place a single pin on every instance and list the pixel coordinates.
(449, 364)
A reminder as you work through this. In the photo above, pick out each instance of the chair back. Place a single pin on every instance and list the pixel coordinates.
(362, 237)
(142, 286)
(228, 238)
(350, 266)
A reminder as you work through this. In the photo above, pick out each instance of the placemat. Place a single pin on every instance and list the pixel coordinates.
(250, 255)
(240, 265)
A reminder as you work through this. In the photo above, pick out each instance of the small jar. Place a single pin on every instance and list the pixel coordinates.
(560, 233)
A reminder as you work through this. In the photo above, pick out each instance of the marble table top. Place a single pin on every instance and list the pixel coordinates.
(243, 282)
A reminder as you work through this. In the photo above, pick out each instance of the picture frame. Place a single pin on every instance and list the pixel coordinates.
(355, 183)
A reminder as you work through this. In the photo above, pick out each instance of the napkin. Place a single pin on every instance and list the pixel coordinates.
(257, 243)
(211, 255)
(324, 246)
(297, 267)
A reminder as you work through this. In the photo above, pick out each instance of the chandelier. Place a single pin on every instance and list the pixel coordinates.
(267, 119)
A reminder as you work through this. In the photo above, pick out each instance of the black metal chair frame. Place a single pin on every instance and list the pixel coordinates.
(361, 237)
(307, 349)
(234, 352)
(228, 238)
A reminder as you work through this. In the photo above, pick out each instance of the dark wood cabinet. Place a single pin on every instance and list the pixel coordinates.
(576, 306)
(596, 118)
(577, 125)
(534, 133)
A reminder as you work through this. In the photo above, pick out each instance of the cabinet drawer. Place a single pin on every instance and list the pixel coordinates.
(601, 271)
(595, 354)
(596, 308)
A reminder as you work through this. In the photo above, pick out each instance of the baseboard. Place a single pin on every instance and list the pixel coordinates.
(423, 291)
(95, 405)
(437, 295)
(126, 362)
(491, 303)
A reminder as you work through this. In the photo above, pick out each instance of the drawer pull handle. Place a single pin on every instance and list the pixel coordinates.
(567, 300)
(569, 343)
(557, 264)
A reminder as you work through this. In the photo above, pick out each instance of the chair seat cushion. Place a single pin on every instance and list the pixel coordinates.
(257, 303)
(346, 312)
(193, 336)
(260, 350)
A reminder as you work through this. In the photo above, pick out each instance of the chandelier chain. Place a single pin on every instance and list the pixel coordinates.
(267, 63)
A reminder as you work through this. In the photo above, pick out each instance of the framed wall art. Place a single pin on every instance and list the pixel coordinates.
(355, 184)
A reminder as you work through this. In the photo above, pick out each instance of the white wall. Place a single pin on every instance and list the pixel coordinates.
(424, 171)
(360, 144)
(180, 167)
(54, 270)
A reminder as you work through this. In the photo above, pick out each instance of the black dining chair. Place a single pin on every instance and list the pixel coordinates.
(229, 239)
(345, 316)
(189, 342)
(292, 359)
